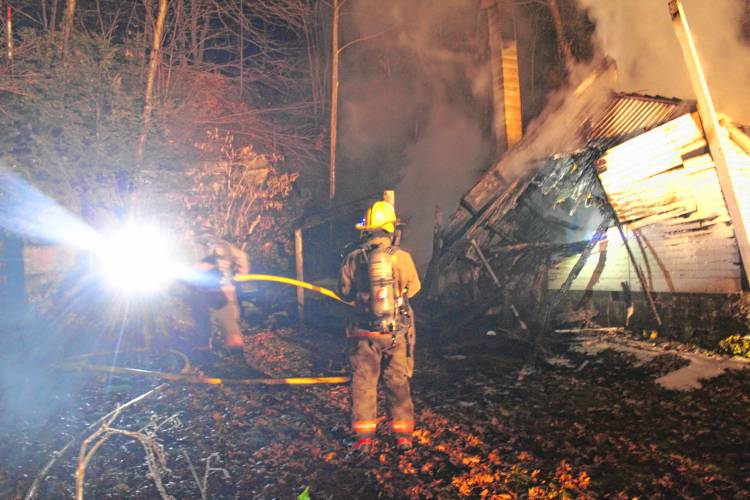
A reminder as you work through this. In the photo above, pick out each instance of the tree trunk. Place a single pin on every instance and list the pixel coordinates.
(9, 35)
(202, 38)
(334, 99)
(194, 14)
(70, 11)
(53, 16)
(153, 66)
(563, 45)
(242, 48)
(45, 21)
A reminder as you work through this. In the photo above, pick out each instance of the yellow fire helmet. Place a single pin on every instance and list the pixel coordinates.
(381, 215)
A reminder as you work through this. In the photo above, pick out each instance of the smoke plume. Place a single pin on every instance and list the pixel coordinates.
(639, 35)
(414, 103)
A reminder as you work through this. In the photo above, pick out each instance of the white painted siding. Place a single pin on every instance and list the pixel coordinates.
(663, 186)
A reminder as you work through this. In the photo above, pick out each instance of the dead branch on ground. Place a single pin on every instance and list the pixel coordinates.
(203, 484)
(156, 459)
(57, 454)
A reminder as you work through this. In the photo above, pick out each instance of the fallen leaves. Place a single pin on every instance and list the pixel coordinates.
(606, 430)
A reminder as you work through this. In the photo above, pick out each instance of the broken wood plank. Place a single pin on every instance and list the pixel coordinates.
(518, 318)
(484, 261)
(638, 271)
(603, 329)
(575, 271)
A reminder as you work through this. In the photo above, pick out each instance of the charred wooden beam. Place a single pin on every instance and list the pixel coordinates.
(551, 247)
(546, 217)
(503, 200)
(638, 271)
(601, 230)
(485, 262)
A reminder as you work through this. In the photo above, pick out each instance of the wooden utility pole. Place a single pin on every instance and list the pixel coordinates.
(153, 66)
(715, 135)
(334, 98)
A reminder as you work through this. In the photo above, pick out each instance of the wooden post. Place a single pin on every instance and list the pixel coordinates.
(714, 134)
(300, 269)
(389, 195)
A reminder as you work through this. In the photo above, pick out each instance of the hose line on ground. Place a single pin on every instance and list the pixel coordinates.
(291, 281)
(202, 379)
(82, 364)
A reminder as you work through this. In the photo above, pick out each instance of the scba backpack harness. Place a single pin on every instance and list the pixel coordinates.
(388, 311)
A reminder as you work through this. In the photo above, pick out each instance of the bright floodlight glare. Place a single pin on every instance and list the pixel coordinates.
(137, 259)
(27, 211)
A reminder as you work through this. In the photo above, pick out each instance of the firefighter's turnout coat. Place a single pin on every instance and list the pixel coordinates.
(375, 352)
(220, 261)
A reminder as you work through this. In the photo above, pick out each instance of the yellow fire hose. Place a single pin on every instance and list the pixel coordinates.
(291, 281)
(81, 364)
(201, 379)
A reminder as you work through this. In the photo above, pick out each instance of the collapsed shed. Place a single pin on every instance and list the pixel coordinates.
(634, 202)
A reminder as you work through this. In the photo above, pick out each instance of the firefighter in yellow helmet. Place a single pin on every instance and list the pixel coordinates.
(381, 278)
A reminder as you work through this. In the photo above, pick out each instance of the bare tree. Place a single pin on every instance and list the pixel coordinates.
(563, 44)
(67, 25)
(151, 77)
(334, 98)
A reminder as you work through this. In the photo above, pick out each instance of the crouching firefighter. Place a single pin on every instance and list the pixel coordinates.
(217, 293)
(381, 278)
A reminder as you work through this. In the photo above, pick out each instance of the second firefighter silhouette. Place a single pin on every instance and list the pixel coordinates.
(220, 261)
(380, 278)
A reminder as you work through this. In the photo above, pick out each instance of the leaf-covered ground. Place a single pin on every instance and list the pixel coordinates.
(598, 428)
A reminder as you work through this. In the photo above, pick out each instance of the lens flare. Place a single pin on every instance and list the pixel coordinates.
(137, 258)
(27, 211)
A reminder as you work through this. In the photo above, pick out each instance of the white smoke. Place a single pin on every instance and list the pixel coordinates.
(639, 35)
(413, 98)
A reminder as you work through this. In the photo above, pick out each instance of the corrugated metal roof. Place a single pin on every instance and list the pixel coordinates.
(606, 121)
(628, 114)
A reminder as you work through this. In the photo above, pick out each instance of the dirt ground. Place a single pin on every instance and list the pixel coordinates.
(595, 426)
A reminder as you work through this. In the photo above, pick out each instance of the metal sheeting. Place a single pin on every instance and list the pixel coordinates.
(664, 188)
(697, 264)
(604, 122)
(629, 114)
(645, 175)
(661, 183)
